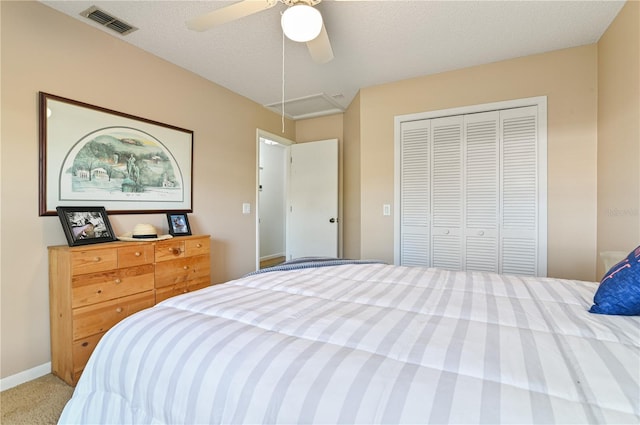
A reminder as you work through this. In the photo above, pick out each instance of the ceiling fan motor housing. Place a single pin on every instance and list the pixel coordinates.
(301, 22)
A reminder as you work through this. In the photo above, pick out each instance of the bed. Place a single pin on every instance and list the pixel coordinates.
(365, 342)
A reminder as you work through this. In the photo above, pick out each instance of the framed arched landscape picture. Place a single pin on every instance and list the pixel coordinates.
(91, 155)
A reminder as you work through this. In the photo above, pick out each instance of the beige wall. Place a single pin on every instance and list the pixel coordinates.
(321, 128)
(43, 50)
(352, 181)
(569, 80)
(619, 133)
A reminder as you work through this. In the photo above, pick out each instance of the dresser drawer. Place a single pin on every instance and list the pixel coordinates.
(93, 260)
(82, 350)
(195, 247)
(98, 318)
(135, 255)
(198, 283)
(170, 291)
(181, 288)
(169, 249)
(182, 270)
(103, 286)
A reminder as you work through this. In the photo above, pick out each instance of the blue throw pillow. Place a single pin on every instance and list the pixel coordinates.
(619, 290)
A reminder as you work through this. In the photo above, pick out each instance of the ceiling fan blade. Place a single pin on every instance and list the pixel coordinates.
(320, 47)
(229, 13)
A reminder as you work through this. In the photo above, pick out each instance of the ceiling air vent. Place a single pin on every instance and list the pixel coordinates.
(108, 20)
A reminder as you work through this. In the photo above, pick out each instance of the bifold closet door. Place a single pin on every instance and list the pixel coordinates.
(481, 191)
(469, 192)
(449, 192)
(465, 192)
(415, 186)
(520, 186)
(446, 192)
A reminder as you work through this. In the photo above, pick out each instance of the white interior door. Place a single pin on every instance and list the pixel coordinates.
(312, 208)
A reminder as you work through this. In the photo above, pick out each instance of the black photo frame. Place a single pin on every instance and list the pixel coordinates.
(178, 224)
(85, 225)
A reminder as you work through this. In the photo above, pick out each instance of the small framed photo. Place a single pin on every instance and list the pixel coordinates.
(178, 224)
(85, 225)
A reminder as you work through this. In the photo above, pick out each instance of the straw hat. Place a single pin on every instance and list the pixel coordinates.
(143, 232)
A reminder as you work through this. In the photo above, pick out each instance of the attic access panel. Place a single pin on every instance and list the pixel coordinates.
(307, 107)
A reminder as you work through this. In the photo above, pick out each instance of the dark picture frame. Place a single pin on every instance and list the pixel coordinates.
(90, 155)
(85, 225)
(178, 224)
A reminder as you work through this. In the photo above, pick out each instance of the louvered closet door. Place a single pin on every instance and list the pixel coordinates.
(470, 192)
(519, 181)
(481, 191)
(446, 192)
(414, 193)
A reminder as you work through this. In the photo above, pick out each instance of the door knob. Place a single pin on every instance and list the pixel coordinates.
(333, 220)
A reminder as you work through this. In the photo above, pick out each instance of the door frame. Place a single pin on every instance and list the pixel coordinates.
(262, 134)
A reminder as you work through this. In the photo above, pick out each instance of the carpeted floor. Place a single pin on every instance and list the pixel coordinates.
(35, 402)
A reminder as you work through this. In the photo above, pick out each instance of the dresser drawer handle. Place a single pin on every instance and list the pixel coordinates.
(175, 251)
(97, 259)
(186, 267)
(119, 310)
(117, 281)
(137, 254)
(85, 344)
(199, 245)
(99, 291)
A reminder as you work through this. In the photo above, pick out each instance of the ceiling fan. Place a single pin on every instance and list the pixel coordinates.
(300, 22)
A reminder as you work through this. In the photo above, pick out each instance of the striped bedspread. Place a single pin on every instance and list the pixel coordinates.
(367, 343)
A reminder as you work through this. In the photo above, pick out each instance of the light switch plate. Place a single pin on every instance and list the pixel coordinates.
(246, 208)
(386, 209)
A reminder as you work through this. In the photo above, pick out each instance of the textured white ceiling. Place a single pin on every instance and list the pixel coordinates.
(374, 42)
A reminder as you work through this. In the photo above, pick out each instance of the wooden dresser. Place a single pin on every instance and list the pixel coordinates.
(93, 287)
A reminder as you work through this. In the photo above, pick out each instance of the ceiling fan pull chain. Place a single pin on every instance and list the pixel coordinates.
(282, 118)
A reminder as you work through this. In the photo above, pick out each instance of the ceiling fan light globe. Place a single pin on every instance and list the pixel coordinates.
(301, 23)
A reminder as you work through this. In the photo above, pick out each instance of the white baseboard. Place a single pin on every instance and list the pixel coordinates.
(25, 376)
(269, 257)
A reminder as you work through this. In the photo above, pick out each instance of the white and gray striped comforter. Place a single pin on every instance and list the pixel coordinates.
(367, 344)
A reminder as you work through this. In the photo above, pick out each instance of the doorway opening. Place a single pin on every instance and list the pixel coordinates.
(296, 199)
(271, 199)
